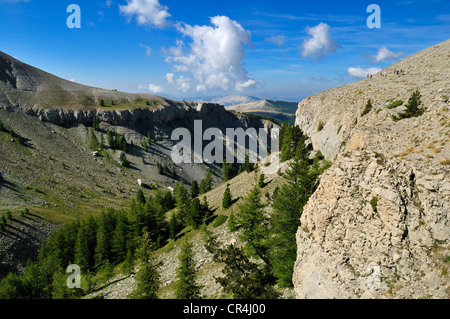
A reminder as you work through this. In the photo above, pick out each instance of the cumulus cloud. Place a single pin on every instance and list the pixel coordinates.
(147, 12)
(362, 73)
(278, 40)
(320, 43)
(170, 78)
(183, 84)
(214, 57)
(155, 88)
(385, 55)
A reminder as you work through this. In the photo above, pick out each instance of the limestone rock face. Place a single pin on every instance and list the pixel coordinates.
(378, 225)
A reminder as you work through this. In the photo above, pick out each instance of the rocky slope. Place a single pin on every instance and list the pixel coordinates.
(53, 170)
(378, 225)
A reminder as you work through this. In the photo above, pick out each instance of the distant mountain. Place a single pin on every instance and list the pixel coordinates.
(229, 99)
(279, 110)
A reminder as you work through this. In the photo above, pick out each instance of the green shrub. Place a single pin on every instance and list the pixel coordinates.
(413, 108)
(368, 108)
(374, 204)
(320, 127)
(395, 104)
(220, 220)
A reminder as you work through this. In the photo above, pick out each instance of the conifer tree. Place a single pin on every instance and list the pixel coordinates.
(195, 190)
(242, 278)
(120, 238)
(186, 286)
(140, 197)
(413, 108)
(227, 199)
(202, 188)
(285, 219)
(148, 278)
(253, 222)
(261, 181)
(86, 244)
(194, 216)
(287, 143)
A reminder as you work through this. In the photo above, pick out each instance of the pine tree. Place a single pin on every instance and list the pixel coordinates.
(148, 278)
(253, 222)
(232, 223)
(140, 197)
(86, 244)
(287, 143)
(186, 286)
(120, 238)
(195, 190)
(103, 250)
(194, 216)
(413, 108)
(228, 171)
(173, 226)
(174, 172)
(202, 188)
(368, 108)
(242, 278)
(227, 199)
(285, 219)
(208, 181)
(247, 166)
(261, 181)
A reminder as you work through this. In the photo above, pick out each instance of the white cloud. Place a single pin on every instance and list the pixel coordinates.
(108, 3)
(320, 43)
(362, 73)
(278, 40)
(215, 57)
(170, 78)
(183, 84)
(148, 50)
(147, 12)
(385, 55)
(155, 88)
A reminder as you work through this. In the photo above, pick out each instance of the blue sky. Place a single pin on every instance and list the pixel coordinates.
(191, 49)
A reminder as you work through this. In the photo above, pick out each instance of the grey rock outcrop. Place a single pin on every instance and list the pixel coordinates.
(378, 225)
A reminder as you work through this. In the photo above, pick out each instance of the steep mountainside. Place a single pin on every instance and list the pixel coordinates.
(47, 159)
(378, 225)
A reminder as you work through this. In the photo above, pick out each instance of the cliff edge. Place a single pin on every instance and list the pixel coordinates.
(378, 225)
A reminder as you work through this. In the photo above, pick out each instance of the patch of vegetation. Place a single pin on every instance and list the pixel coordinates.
(292, 141)
(227, 200)
(116, 141)
(395, 104)
(374, 204)
(95, 244)
(320, 126)
(220, 220)
(413, 108)
(368, 108)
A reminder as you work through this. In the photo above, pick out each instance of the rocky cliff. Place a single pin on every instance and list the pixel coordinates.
(378, 226)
